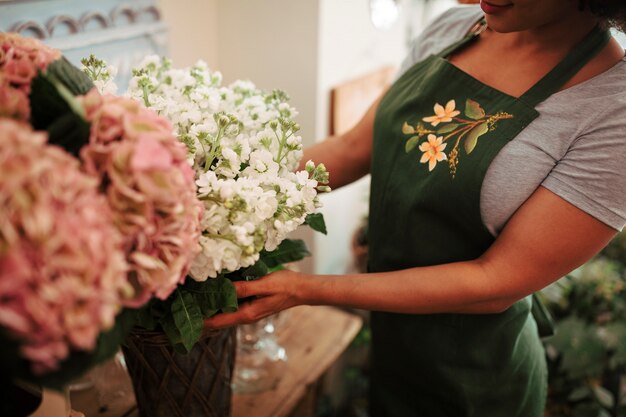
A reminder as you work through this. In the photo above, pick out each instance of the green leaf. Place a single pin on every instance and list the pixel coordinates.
(46, 103)
(259, 269)
(276, 268)
(473, 110)
(316, 222)
(70, 132)
(447, 128)
(75, 80)
(411, 143)
(57, 113)
(212, 295)
(188, 318)
(604, 396)
(171, 330)
(579, 394)
(582, 351)
(145, 318)
(472, 137)
(290, 250)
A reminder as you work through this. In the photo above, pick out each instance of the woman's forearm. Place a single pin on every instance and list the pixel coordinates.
(463, 287)
(344, 164)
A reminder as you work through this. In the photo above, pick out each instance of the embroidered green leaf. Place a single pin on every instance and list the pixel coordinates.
(407, 129)
(473, 135)
(411, 143)
(473, 110)
(447, 128)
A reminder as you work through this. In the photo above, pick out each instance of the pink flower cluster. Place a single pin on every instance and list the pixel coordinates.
(150, 188)
(20, 61)
(62, 268)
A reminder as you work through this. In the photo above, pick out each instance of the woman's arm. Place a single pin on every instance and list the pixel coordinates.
(346, 156)
(545, 239)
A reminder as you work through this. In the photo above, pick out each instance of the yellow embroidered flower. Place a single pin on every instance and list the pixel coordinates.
(433, 151)
(442, 114)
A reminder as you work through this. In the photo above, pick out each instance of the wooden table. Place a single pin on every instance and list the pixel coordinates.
(314, 337)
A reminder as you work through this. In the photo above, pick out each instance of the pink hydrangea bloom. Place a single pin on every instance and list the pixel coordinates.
(150, 187)
(62, 267)
(13, 103)
(21, 58)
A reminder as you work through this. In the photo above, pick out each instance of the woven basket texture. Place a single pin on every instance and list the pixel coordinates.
(170, 384)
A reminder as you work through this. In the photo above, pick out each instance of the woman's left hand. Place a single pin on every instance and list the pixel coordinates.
(275, 292)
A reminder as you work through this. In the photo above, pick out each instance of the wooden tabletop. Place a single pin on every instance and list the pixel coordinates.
(314, 337)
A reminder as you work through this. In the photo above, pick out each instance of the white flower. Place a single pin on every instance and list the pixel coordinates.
(105, 87)
(244, 164)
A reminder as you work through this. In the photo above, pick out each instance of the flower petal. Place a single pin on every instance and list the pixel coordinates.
(439, 110)
(450, 106)
(425, 157)
(431, 164)
(433, 119)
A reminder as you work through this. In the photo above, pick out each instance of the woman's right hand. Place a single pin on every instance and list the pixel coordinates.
(273, 293)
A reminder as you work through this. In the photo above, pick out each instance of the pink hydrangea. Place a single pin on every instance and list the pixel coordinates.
(150, 187)
(62, 267)
(20, 60)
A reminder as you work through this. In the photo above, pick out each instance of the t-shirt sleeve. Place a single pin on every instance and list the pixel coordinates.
(592, 173)
(447, 28)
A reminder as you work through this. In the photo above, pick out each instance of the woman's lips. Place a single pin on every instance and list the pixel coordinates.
(491, 8)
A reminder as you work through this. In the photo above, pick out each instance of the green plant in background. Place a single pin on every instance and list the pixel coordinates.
(587, 355)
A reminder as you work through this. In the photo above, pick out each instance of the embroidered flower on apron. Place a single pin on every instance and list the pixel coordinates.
(468, 130)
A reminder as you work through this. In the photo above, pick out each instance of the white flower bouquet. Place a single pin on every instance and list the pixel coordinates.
(244, 148)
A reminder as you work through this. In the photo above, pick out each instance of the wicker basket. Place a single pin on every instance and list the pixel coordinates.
(169, 384)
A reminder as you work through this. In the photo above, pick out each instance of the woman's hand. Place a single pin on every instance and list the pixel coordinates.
(275, 292)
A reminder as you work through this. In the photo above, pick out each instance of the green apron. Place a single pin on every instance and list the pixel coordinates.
(436, 132)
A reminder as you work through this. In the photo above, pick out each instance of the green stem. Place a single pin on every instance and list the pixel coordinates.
(280, 147)
(146, 102)
(458, 119)
(214, 148)
(462, 130)
(280, 157)
(214, 236)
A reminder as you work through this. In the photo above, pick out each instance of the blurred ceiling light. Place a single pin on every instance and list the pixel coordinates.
(384, 13)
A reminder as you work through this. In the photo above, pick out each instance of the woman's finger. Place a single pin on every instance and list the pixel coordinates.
(267, 285)
(247, 313)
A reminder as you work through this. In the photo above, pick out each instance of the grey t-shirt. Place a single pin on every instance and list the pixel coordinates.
(576, 148)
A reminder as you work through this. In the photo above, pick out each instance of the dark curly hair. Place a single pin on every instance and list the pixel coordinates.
(614, 11)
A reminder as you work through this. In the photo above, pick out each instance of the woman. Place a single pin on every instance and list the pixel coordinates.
(497, 163)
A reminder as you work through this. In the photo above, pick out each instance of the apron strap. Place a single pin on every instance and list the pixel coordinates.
(471, 35)
(582, 53)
